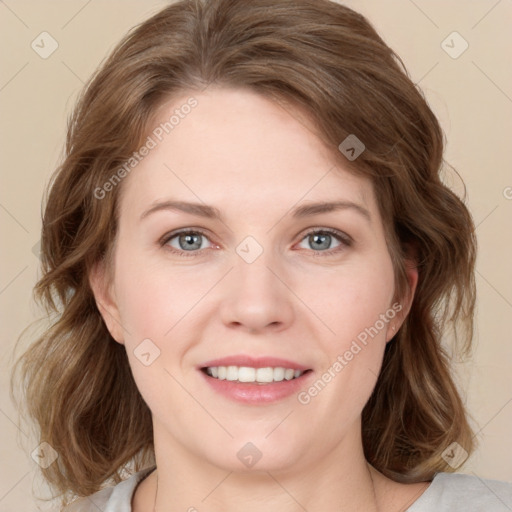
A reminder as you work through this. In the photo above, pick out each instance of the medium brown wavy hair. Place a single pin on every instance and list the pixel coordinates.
(313, 56)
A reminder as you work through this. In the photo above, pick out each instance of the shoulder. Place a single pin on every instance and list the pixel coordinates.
(111, 499)
(454, 492)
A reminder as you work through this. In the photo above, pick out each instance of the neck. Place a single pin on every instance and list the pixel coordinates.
(340, 481)
(369, 504)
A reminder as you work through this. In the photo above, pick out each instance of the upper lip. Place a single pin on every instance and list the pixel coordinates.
(254, 362)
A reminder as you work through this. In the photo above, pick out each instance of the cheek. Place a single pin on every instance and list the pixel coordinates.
(361, 326)
(153, 303)
(358, 310)
(151, 298)
(354, 299)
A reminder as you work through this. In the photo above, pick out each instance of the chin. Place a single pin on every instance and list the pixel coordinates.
(254, 454)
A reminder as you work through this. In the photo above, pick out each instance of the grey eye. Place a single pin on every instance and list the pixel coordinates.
(320, 240)
(187, 241)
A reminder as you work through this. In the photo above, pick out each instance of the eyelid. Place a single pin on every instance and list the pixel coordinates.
(345, 239)
(165, 239)
(341, 235)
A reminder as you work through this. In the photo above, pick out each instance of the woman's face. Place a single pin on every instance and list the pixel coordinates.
(267, 278)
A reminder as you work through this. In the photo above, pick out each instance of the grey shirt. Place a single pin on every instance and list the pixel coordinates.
(447, 493)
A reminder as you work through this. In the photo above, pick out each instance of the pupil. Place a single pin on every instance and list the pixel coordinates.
(190, 240)
(318, 238)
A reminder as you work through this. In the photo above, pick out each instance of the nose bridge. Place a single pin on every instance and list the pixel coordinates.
(256, 297)
(253, 264)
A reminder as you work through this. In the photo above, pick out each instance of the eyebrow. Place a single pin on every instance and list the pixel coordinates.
(210, 212)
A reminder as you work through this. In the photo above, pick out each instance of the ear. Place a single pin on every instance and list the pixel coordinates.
(105, 301)
(403, 308)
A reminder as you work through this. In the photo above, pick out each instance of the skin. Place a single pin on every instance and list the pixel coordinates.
(255, 162)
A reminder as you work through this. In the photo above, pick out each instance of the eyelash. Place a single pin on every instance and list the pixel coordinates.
(343, 238)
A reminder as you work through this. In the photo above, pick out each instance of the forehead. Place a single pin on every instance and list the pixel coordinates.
(236, 148)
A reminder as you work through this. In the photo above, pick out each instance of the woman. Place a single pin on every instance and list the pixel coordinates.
(253, 260)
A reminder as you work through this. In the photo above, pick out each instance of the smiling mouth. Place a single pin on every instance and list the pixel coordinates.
(251, 375)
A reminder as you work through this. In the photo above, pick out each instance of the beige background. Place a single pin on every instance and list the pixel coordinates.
(470, 94)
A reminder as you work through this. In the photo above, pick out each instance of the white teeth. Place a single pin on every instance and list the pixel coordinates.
(279, 374)
(249, 374)
(264, 375)
(232, 373)
(246, 374)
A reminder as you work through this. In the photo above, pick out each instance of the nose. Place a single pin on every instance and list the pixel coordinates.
(256, 297)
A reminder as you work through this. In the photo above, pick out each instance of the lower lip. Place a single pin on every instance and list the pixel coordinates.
(252, 393)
